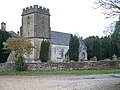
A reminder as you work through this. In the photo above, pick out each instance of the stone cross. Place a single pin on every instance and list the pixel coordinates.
(114, 57)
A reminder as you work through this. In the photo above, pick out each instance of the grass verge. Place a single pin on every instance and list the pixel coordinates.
(58, 72)
(117, 86)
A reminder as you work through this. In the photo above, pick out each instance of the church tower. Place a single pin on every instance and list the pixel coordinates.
(35, 26)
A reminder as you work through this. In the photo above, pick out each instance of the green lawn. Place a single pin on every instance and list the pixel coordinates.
(58, 72)
(117, 85)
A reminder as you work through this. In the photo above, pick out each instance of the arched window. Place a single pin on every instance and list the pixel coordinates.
(28, 19)
(62, 52)
(83, 56)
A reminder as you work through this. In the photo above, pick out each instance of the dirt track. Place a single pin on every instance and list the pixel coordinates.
(87, 82)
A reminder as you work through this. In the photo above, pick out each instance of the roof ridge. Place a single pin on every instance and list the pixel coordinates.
(60, 32)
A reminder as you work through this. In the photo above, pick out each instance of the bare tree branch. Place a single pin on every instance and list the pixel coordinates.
(111, 8)
(109, 29)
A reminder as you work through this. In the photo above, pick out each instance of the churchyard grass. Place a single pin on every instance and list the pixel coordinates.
(117, 86)
(58, 72)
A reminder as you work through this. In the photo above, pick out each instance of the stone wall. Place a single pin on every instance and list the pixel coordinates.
(66, 66)
(6, 66)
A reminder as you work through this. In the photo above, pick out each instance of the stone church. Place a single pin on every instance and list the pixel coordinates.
(36, 27)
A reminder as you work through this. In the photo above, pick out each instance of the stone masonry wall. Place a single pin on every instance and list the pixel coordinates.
(66, 66)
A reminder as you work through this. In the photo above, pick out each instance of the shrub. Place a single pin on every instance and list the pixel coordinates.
(3, 53)
(20, 64)
(44, 52)
(74, 48)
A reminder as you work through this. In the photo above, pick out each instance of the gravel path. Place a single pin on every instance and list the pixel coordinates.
(87, 82)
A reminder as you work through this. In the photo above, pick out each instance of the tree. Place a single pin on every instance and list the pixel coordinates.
(107, 48)
(102, 47)
(109, 29)
(116, 37)
(20, 46)
(74, 48)
(44, 51)
(3, 54)
(111, 7)
(93, 47)
(97, 48)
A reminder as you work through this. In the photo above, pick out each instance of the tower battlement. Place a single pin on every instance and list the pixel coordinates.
(35, 9)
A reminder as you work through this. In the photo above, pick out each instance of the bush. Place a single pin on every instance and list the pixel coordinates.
(3, 53)
(44, 52)
(74, 48)
(20, 64)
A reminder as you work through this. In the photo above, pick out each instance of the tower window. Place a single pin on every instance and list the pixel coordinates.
(43, 22)
(28, 19)
(28, 33)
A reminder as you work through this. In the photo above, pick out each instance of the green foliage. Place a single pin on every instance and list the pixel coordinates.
(104, 47)
(96, 48)
(74, 48)
(117, 86)
(20, 64)
(44, 52)
(20, 46)
(116, 38)
(3, 53)
(93, 46)
(107, 48)
(59, 72)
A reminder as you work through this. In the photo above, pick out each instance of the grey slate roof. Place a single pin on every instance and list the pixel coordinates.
(83, 44)
(59, 38)
(12, 33)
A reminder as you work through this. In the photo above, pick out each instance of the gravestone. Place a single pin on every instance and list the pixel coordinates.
(94, 58)
(114, 57)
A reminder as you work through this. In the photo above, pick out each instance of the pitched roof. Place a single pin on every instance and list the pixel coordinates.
(12, 33)
(83, 44)
(57, 38)
(60, 38)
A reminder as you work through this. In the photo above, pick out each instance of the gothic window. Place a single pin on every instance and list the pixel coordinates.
(28, 19)
(83, 56)
(43, 22)
(28, 33)
(54, 50)
(62, 52)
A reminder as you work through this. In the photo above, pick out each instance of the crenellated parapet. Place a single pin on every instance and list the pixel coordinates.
(35, 9)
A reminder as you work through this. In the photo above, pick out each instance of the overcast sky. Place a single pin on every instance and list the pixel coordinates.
(69, 16)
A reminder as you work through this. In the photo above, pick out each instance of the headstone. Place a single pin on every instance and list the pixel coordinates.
(107, 59)
(94, 58)
(114, 57)
(72, 61)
